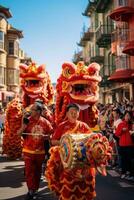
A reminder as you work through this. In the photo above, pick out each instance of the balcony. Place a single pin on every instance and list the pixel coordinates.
(122, 75)
(96, 54)
(97, 57)
(129, 48)
(103, 36)
(86, 36)
(119, 39)
(123, 10)
(129, 45)
(123, 72)
(102, 5)
(123, 41)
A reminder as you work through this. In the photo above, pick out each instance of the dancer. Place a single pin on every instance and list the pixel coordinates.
(70, 184)
(35, 130)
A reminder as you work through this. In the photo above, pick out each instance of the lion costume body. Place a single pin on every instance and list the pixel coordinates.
(35, 84)
(72, 166)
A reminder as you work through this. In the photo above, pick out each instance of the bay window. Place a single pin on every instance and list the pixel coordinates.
(1, 40)
(12, 76)
(2, 75)
(13, 48)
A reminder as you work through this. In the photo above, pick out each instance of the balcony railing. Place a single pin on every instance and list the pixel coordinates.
(122, 62)
(118, 3)
(122, 34)
(120, 38)
(103, 35)
(96, 55)
(86, 36)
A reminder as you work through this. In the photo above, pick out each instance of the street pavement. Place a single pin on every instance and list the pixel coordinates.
(112, 187)
(12, 182)
(13, 187)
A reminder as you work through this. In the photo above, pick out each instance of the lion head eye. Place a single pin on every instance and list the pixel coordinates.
(92, 71)
(68, 69)
(66, 72)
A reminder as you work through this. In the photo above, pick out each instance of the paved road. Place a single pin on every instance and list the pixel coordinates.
(13, 187)
(12, 182)
(114, 188)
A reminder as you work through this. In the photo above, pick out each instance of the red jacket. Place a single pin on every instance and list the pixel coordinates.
(66, 126)
(34, 143)
(124, 135)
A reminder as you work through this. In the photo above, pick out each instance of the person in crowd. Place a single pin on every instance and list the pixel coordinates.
(132, 131)
(117, 120)
(102, 120)
(126, 145)
(70, 178)
(133, 111)
(2, 119)
(35, 129)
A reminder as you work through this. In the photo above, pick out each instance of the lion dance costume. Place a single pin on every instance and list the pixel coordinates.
(72, 166)
(78, 84)
(35, 84)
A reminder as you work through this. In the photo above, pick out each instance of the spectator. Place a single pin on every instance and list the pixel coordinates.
(102, 120)
(2, 119)
(117, 120)
(126, 144)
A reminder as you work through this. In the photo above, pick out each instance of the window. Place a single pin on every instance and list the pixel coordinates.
(1, 40)
(2, 80)
(122, 62)
(122, 2)
(16, 48)
(13, 77)
(13, 48)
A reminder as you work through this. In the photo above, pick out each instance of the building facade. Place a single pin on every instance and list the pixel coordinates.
(9, 57)
(110, 43)
(123, 48)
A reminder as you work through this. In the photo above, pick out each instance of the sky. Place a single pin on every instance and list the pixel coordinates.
(51, 29)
